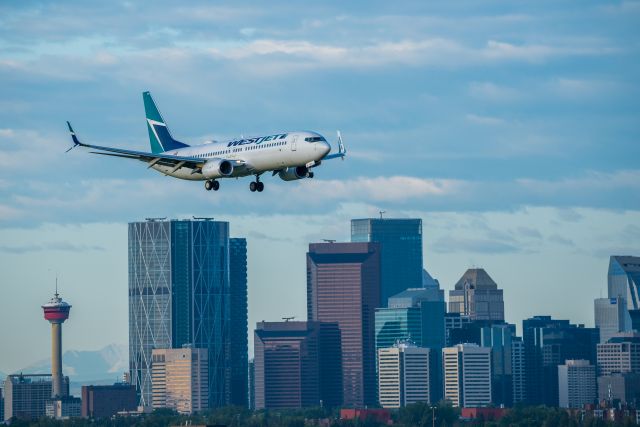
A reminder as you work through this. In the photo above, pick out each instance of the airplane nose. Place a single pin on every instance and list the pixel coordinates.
(324, 147)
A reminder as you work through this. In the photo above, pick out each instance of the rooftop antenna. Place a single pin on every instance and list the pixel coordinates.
(329, 240)
(286, 319)
(382, 212)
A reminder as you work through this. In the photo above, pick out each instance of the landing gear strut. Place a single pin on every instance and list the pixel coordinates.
(211, 185)
(256, 185)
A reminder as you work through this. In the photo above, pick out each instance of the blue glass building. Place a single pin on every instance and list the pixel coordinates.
(416, 315)
(624, 282)
(239, 352)
(401, 255)
(180, 293)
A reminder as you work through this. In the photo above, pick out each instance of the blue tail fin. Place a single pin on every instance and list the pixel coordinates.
(159, 135)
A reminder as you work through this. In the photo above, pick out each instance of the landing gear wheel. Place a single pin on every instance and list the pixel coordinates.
(208, 185)
(259, 186)
(253, 186)
(216, 185)
(310, 174)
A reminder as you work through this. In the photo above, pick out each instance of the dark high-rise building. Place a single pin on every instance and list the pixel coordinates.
(416, 315)
(252, 385)
(548, 343)
(105, 401)
(401, 251)
(239, 325)
(476, 295)
(288, 364)
(180, 293)
(624, 282)
(343, 286)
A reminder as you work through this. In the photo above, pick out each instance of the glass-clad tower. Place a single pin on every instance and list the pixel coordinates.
(180, 294)
(624, 282)
(401, 251)
(239, 328)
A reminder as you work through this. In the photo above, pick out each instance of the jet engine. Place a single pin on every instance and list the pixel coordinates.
(293, 173)
(217, 168)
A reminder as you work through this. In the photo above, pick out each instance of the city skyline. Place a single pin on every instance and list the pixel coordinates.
(513, 139)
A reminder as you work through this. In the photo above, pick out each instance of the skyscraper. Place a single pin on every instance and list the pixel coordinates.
(621, 354)
(180, 379)
(343, 286)
(499, 337)
(180, 293)
(548, 343)
(403, 375)
(519, 380)
(288, 365)
(239, 351)
(418, 315)
(401, 251)
(624, 282)
(467, 375)
(476, 295)
(576, 383)
(611, 317)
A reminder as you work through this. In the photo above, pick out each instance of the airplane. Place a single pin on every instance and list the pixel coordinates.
(290, 155)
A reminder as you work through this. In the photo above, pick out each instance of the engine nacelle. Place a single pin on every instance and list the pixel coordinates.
(217, 168)
(293, 173)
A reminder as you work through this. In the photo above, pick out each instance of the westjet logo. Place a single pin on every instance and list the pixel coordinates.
(258, 140)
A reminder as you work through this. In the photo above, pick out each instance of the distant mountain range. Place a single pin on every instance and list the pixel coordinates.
(104, 366)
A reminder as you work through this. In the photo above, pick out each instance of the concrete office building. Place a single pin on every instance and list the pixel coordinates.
(519, 379)
(621, 354)
(467, 375)
(624, 388)
(25, 396)
(403, 375)
(180, 379)
(343, 286)
(105, 401)
(476, 295)
(401, 251)
(498, 337)
(187, 285)
(624, 282)
(288, 365)
(63, 407)
(576, 383)
(611, 317)
(548, 343)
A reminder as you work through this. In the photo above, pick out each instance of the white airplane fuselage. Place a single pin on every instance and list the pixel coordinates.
(256, 155)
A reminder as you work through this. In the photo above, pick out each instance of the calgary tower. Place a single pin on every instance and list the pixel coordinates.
(56, 312)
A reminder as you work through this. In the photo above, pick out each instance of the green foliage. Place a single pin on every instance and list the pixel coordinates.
(418, 414)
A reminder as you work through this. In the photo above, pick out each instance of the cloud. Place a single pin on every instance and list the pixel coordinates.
(484, 120)
(473, 245)
(556, 238)
(59, 246)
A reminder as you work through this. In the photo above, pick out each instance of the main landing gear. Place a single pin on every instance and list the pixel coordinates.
(211, 185)
(256, 185)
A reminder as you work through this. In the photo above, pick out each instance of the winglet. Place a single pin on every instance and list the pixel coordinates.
(341, 149)
(75, 139)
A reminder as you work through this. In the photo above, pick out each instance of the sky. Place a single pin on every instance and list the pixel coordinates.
(511, 128)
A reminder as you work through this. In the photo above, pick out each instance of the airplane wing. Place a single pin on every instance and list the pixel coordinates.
(151, 158)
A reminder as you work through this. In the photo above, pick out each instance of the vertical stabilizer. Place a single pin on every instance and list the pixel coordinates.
(159, 136)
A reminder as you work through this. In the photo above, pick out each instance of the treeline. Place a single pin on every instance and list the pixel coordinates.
(418, 415)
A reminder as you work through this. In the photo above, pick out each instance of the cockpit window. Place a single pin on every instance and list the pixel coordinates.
(314, 139)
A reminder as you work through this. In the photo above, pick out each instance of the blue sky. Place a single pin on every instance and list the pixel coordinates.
(511, 128)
